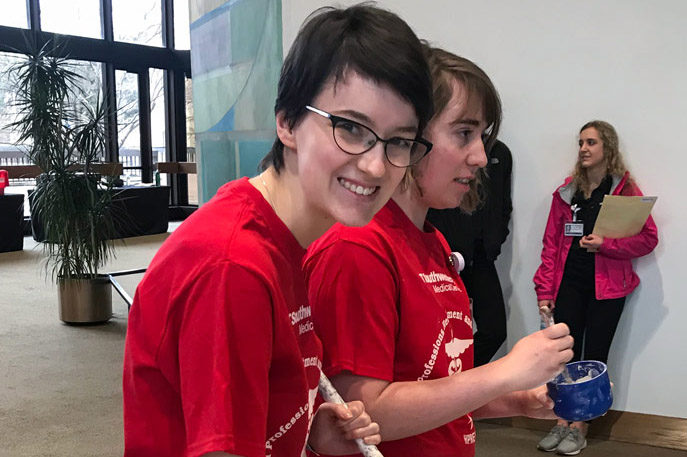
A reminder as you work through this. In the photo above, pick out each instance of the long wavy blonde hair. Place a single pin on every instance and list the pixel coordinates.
(615, 165)
(447, 69)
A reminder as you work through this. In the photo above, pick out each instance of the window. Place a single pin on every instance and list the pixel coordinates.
(137, 21)
(157, 118)
(128, 133)
(75, 17)
(111, 71)
(7, 110)
(14, 13)
(10, 152)
(182, 38)
(190, 143)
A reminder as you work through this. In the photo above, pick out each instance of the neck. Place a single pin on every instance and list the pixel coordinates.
(409, 201)
(285, 195)
(595, 175)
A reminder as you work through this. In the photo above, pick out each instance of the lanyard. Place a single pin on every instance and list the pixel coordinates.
(575, 209)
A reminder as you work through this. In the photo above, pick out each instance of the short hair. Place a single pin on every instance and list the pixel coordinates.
(373, 42)
(615, 165)
(447, 69)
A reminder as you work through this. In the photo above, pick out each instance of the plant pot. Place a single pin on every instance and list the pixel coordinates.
(85, 301)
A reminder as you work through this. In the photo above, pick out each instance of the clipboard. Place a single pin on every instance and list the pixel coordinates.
(621, 216)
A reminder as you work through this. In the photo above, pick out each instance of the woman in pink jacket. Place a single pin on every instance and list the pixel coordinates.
(584, 278)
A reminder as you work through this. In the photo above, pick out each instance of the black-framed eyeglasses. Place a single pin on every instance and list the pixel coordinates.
(355, 138)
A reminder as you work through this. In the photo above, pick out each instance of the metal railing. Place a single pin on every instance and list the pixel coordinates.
(130, 159)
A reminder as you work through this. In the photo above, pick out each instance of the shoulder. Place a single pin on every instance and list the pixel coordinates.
(568, 181)
(566, 189)
(232, 226)
(627, 185)
(347, 241)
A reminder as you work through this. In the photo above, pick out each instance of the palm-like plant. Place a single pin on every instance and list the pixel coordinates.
(66, 135)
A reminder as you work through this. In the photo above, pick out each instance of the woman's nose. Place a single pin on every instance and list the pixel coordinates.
(478, 155)
(373, 162)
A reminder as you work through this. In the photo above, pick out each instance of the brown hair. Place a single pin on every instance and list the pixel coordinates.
(615, 165)
(365, 39)
(448, 69)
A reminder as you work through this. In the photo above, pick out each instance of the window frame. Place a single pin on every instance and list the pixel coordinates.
(133, 58)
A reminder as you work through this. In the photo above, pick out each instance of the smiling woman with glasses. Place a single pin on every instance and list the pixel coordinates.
(221, 353)
(355, 138)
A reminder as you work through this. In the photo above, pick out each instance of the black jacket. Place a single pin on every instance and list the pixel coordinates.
(489, 222)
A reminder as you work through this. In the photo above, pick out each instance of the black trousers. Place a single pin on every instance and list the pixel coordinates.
(592, 322)
(489, 310)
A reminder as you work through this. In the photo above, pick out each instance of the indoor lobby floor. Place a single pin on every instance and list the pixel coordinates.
(60, 385)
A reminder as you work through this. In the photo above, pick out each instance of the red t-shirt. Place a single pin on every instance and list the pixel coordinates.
(220, 351)
(387, 304)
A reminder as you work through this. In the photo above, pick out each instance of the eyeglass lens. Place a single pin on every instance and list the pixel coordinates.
(355, 138)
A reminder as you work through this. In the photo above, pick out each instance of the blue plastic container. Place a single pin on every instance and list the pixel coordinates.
(585, 400)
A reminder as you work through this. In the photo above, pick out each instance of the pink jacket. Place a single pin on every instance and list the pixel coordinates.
(614, 275)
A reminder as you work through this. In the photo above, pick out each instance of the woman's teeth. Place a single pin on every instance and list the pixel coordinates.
(360, 190)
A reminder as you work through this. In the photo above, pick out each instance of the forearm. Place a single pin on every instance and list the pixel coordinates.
(507, 405)
(406, 409)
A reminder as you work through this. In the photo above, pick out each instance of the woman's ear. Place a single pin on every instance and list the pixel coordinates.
(285, 133)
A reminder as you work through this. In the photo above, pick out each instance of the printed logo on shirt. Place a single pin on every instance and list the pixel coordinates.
(312, 395)
(454, 348)
(470, 437)
(312, 362)
(304, 410)
(447, 282)
(304, 312)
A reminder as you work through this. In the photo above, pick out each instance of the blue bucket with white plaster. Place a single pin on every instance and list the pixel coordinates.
(584, 400)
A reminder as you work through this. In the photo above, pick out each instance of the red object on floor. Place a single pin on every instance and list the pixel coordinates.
(4, 181)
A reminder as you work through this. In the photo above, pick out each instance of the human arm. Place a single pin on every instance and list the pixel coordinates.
(534, 403)
(507, 160)
(634, 246)
(405, 409)
(217, 334)
(631, 247)
(551, 243)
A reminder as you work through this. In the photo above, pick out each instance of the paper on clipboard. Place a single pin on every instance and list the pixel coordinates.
(622, 216)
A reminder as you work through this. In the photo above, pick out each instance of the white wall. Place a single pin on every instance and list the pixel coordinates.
(558, 64)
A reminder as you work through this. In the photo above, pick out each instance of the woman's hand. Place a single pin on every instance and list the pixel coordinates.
(591, 242)
(538, 357)
(335, 428)
(547, 305)
(536, 403)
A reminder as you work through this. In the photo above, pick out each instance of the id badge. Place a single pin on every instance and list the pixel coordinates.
(575, 228)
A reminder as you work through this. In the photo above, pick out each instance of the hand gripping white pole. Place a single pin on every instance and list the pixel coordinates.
(330, 394)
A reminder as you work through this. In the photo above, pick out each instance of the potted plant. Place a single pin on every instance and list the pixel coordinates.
(73, 205)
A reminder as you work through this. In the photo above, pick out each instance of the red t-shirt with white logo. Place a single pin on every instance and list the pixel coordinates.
(387, 304)
(220, 350)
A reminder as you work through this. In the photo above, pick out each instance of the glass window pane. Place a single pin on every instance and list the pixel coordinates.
(10, 152)
(157, 118)
(191, 144)
(128, 133)
(182, 27)
(75, 17)
(137, 21)
(7, 110)
(14, 13)
(91, 85)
